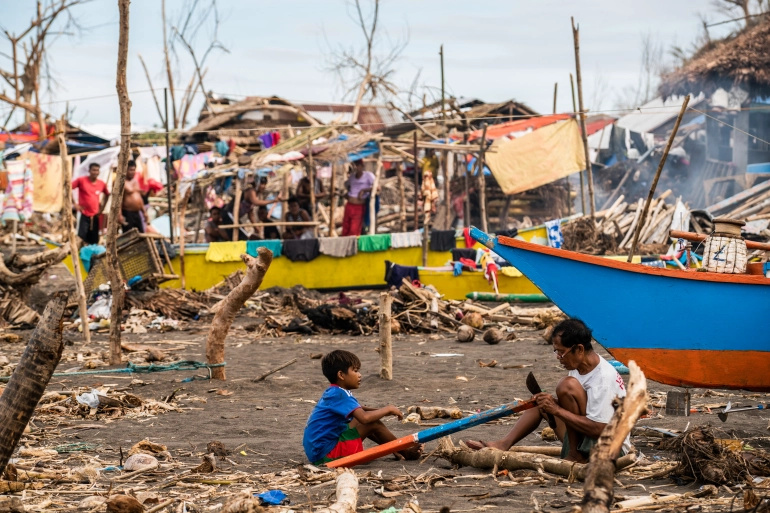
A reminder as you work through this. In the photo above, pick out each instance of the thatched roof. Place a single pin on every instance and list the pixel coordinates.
(742, 59)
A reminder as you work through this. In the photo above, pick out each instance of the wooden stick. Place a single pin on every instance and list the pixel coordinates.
(28, 382)
(68, 228)
(14, 229)
(272, 223)
(311, 177)
(401, 197)
(256, 268)
(118, 185)
(273, 371)
(347, 495)
(386, 348)
(333, 201)
(698, 237)
(662, 162)
(600, 478)
(555, 91)
(425, 236)
(236, 210)
(416, 185)
(373, 196)
(447, 191)
(589, 171)
(181, 216)
(482, 180)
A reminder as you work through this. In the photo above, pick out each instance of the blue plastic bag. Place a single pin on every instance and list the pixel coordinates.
(272, 497)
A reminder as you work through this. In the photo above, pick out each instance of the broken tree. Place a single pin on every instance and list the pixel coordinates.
(28, 382)
(228, 308)
(113, 263)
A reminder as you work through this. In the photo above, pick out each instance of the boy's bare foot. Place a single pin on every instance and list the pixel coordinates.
(477, 445)
(577, 458)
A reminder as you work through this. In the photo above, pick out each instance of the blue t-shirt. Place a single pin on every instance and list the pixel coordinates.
(327, 422)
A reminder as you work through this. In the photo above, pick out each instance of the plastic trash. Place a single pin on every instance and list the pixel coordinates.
(133, 281)
(101, 308)
(90, 399)
(272, 497)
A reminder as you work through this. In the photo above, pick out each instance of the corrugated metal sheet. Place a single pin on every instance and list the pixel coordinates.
(653, 114)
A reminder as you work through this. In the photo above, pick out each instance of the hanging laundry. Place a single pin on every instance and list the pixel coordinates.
(146, 152)
(406, 240)
(221, 147)
(555, 237)
(276, 137)
(266, 140)
(18, 194)
(370, 243)
(189, 165)
(107, 159)
(47, 182)
(275, 247)
(460, 253)
(442, 240)
(395, 274)
(226, 251)
(339, 247)
(469, 242)
(301, 250)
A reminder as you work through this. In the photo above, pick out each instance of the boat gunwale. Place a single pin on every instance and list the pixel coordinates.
(746, 279)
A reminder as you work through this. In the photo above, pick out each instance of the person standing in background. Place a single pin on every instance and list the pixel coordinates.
(89, 203)
(359, 186)
(132, 213)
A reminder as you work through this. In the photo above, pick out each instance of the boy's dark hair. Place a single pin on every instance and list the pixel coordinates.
(338, 360)
(212, 209)
(93, 165)
(263, 180)
(262, 208)
(293, 199)
(573, 332)
(131, 163)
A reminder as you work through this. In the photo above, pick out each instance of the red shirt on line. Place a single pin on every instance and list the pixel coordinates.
(88, 195)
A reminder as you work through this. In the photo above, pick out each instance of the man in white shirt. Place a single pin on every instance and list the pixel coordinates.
(583, 402)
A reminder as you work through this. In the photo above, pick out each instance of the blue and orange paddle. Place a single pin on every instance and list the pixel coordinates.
(428, 435)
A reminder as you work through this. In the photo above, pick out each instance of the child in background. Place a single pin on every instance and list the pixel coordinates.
(338, 424)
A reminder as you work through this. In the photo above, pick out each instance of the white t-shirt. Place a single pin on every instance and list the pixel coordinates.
(602, 385)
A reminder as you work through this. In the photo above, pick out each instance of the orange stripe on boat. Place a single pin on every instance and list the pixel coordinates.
(747, 370)
(636, 268)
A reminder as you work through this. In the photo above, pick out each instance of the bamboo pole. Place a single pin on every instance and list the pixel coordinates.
(416, 185)
(662, 163)
(311, 177)
(447, 192)
(182, 202)
(236, 209)
(555, 91)
(466, 187)
(373, 196)
(169, 192)
(333, 201)
(386, 347)
(443, 101)
(14, 229)
(401, 197)
(68, 228)
(113, 262)
(580, 173)
(482, 180)
(589, 171)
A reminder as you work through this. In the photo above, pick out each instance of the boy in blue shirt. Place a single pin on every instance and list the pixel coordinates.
(338, 424)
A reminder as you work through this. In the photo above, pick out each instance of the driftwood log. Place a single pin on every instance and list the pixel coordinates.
(228, 308)
(489, 458)
(28, 381)
(600, 476)
(347, 494)
(116, 195)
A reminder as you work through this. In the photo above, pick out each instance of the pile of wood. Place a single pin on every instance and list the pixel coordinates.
(751, 205)
(612, 232)
(175, 304)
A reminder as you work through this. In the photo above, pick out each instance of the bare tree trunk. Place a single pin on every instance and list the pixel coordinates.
(359, 98)
(386, 344)
(256, 268)
(113, 264)
(598, 489)
(28, 382)
(68, 231)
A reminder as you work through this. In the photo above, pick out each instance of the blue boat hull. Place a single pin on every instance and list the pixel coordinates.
(682, 328)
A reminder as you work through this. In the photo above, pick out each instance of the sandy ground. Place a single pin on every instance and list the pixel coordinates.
(266, 419)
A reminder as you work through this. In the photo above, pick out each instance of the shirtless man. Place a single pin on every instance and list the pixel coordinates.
(132, 214)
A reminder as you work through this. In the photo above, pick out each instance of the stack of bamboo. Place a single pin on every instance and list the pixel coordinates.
(621, 219)
(750, 207)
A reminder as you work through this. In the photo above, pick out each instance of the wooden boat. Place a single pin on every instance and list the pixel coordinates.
(683, 328)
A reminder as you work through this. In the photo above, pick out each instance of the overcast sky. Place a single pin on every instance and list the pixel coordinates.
(494, 50)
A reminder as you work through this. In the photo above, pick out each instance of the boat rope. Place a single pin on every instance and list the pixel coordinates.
(130, 368)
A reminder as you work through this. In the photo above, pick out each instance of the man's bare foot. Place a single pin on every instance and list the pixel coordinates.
(576, 458)
(413, 453)
(477, 445)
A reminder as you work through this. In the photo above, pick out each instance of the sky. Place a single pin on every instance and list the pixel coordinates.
(494, 50)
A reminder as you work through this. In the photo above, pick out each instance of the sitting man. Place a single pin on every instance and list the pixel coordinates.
(270, 232)
(212, 230)
(583, 402)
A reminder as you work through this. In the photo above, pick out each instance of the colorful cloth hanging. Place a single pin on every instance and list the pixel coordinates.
(18, 195)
